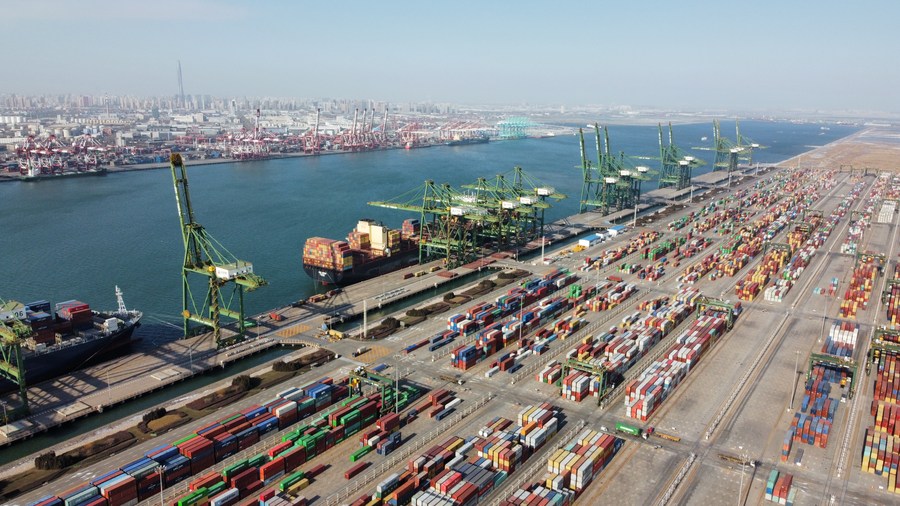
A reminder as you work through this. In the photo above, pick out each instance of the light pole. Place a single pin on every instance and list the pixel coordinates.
(743, 465)
(5, 418)
(796, 374)
(160, 470)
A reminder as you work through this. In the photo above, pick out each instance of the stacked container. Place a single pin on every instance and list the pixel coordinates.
(646, 393)
(778, 488)
(841, 340)
(893, 300)
(881, 448)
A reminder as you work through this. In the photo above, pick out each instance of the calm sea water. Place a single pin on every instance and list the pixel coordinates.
(78, 238)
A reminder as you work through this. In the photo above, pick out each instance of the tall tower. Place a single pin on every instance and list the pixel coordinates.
(180, 86)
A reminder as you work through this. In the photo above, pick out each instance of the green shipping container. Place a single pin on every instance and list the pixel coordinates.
(628, 429)
(215, 489)
(258, 460)
(358, 454)
(184, 440)
(284, 484)
(193, 498)
(235, 468)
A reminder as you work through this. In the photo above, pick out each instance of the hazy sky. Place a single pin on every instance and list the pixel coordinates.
(764, 55)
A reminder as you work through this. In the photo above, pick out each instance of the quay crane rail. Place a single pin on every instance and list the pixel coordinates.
(206, 257)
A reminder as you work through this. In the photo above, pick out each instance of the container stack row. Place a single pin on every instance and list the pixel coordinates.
(167, 465)
(749, 287)
(465, 470)
(892, 304)
(862, 282)
(646, 393)
(611, 296)
(881, 447)
(610, 256)
(615, 351)
(497, 336)
(570, 470)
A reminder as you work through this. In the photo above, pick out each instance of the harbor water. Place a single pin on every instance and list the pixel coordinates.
(79, 238)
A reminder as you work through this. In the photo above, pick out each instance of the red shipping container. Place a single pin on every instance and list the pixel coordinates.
(122, 492)
(251, 487)
(265, 496)
(271, 469)
(294, 458)
(355, 470)
(244, 478)
(315, 471)
(207, 481)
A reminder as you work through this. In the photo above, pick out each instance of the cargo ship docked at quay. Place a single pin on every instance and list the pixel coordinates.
(465, 141)
(371, 249)
(70, 337)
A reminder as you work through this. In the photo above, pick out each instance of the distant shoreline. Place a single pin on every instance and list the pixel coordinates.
(11, 177)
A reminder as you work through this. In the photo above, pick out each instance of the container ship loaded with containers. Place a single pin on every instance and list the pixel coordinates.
(68, 338)
(370, 250)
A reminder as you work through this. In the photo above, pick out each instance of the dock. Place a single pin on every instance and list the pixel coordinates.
(91, 390)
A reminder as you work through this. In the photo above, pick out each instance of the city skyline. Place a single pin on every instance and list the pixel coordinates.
(697, 56)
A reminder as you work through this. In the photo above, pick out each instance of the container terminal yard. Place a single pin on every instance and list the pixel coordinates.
(739, 347)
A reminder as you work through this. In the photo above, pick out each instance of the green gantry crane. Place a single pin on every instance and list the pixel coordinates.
(12, 333)
(883, 341)
(676, 167)
(718, 305)
(449, 222)
(517, 203)
(846, 363)
(206, 258)
(611, 183)
(728, 153)
(597, 371)
(456, 225)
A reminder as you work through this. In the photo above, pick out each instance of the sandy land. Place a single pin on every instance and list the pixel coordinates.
(873, 148)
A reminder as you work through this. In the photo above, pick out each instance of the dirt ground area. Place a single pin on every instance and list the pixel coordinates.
(873, 148)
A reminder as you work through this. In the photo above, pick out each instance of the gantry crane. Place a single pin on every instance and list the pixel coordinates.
(728, 153)
(457, 224)
(612, 183)
(445, 231)
(676, 166)
(517, 203)
(745, 144)
(12, 333)
(206, 257)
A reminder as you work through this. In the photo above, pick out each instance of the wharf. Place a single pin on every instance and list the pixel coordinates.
(78, 394)
(91, 390)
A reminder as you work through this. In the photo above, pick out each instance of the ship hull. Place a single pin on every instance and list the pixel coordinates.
(64, 175)
(363, 272)
(466, 142)
(44, 366)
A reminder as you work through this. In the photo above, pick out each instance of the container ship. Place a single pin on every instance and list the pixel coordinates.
(70, 337)
(464, 141)
(38, 176)
(370, 250)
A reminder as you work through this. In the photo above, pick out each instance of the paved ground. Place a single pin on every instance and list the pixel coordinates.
(736, 401)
